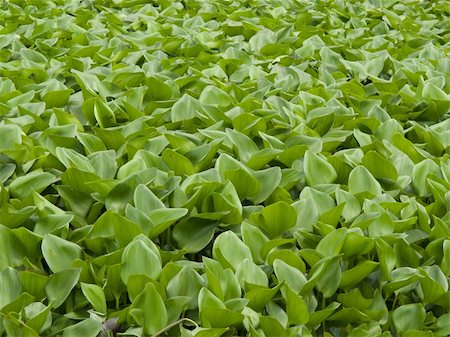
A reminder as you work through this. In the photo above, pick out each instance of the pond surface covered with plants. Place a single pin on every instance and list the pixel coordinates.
(224, 168)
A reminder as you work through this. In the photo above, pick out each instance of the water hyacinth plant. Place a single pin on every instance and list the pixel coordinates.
(224, 168)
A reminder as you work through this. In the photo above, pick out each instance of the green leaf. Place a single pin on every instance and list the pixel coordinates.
(60, 284)
(6, 171)
(259, 297)
(272, 327)
(246, 190)
(57, 98)
(357, 244)
(14, 327)
(319, 316)
(255, 239)
(90, 84)
(71, 158)
(244, 146)
(10, 287)
(296, 308)
(222, 282)
(127, 78)
(278, 218)
(33, 283)
(361, 180)
(386, 257)
(293, 278)
(39, 316)
(222, 317)
(11, 136)
(36, 180)
(114, 226)
(149, 310)
(145, 200)
(206, 299)
(88, 327)
(136, 284)
(161, 219)
(226, 199)
(249, 273)
(194, 234)
(210, 332)
(18, 304)
(178, 163)
(328, 281)
(434, 284)
(445, 263)
(141, 256)
(379, 167)
(409, 317)
(122, 193)
(91, 142)
(353, 276)
(432, 92)
(59, 253)
(215, 96)
(318, 170)
(186, 283)
(261, 158)
(404, 278)
(307, 213)
(157, 89)
(289, 256)
(443, 326)
(332, 243)
(95, 296)
(185, 108)
(103, 114)
(104, 164)
(420, 173)
(349, 315)
(229, 250)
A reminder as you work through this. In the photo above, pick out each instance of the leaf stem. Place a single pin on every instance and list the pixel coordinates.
(324, 304)
(394, 303)
(117, 302)
(170, 326)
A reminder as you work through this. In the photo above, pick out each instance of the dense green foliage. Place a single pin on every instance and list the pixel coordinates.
(224, 168)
